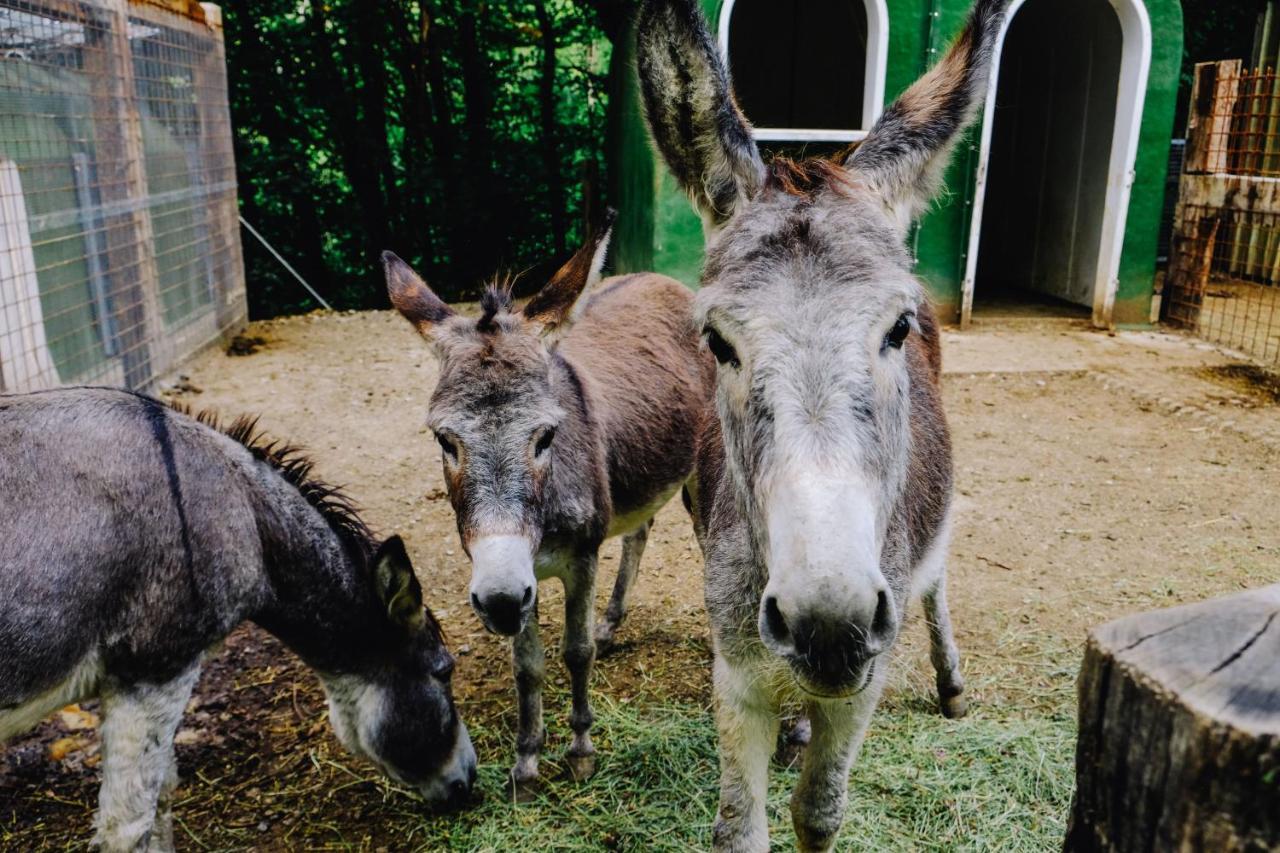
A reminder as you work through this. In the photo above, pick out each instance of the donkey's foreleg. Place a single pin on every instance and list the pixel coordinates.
(138, 725)
(747, 722)
(162, 840)
(632, 550)
(819, 798)
(530, 664)
(579, 656)
(943, 651)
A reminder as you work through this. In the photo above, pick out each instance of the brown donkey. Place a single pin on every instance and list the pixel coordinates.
(826, 492)
(560, 425)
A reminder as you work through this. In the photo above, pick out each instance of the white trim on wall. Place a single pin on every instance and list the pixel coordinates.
(872, 87)
(1135, 65)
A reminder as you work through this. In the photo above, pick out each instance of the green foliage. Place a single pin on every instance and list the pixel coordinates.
(1213, 30)
(437, 129)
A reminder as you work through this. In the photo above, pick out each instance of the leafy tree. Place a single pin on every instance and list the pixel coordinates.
(466, 136)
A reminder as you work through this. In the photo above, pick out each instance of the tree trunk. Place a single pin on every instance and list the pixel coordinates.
(550, 150)
(1179, 744)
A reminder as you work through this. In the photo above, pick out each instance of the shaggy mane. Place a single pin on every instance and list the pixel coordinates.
(293, 463)
(496, 298)
(806, 178)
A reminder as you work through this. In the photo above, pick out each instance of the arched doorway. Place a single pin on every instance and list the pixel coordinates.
(1059, 141)
(807, 70)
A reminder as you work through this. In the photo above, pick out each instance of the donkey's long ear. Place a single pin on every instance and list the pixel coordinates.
(396, 585)
(411, 296)
(559, 303)
(906, 152)
(691, 111)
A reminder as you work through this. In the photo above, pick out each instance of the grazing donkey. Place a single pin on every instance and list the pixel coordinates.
(561, 425)
(826, 489)
(134, 537)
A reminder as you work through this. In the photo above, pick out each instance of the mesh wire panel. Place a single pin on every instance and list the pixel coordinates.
(1229, 278)
(1224, 271)
(119, 243)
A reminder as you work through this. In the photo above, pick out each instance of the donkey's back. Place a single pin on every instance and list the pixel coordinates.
(103, 567)
(640, 354)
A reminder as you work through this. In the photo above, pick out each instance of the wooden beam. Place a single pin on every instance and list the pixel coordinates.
(1214, 92)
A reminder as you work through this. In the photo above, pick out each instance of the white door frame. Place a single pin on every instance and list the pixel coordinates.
(1135, 64)
(872, 86)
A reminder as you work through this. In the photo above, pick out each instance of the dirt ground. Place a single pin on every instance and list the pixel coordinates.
(1097, 475)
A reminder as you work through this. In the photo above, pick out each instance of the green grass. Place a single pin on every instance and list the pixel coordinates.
(988, 782)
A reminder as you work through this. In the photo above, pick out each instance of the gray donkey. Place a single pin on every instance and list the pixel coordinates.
(560, 425)
(134, 537)
(826, 489)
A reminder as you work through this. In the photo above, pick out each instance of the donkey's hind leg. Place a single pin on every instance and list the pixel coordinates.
(138, 725)
(632, 550)
(943, 651)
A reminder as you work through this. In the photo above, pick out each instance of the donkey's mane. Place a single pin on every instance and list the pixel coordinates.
(292, 463)
(808, 176)
(496, 298)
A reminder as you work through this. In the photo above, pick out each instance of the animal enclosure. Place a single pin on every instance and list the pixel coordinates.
(119, 241)
(1071, 155)
(1224, 275)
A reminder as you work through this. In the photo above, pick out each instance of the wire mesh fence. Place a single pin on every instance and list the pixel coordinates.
(1230, 266)
(119, 242)
(1243, 109)
(1224, 271)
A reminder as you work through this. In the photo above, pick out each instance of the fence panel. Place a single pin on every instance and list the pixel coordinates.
(119, 247)
(1224, 273)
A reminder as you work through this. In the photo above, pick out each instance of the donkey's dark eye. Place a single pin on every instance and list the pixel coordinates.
(898, 333)
(544, 441)
(446, 444)
(720, 348)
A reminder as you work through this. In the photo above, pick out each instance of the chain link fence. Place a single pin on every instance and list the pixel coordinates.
(119, 242)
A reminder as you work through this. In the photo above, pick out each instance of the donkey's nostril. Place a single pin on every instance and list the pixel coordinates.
(775, 623)
(528, 596)
(882, 625)
(475, 603)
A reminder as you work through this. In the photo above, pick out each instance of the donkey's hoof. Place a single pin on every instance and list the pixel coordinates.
(955, 707)
(581, 767)
(521, 791)
(605, 644)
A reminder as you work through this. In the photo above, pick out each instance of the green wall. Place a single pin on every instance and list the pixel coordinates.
(659, 230)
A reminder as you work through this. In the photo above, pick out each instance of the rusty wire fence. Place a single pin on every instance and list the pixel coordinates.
(119, 242)
(1224, 271)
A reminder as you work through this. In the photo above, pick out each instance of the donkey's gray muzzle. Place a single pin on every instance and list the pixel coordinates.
(830, 655)
(503, 586)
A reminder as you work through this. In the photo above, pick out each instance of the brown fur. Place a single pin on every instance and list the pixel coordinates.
(648, 382)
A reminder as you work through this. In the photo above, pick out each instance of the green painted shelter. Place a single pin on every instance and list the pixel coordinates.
(1056, 196)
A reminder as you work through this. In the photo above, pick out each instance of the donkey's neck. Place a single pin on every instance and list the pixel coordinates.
(578, 497)
(319, 600)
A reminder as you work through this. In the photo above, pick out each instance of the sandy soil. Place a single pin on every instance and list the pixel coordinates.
(1097, 475)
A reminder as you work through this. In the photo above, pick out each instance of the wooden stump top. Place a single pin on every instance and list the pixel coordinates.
(1219, 658)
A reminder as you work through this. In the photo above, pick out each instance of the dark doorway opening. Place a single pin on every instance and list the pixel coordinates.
(799, 63)
(1046, 193)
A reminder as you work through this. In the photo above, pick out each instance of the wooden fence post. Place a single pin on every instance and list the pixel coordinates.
(1179, 745)
(122, 187)
(1214, 92)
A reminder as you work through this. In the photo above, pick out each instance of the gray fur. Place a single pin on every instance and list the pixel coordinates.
(133, 538)
(561, 424)
(826, 485)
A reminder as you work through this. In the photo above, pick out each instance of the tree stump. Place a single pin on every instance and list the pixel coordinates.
(1179, 745)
